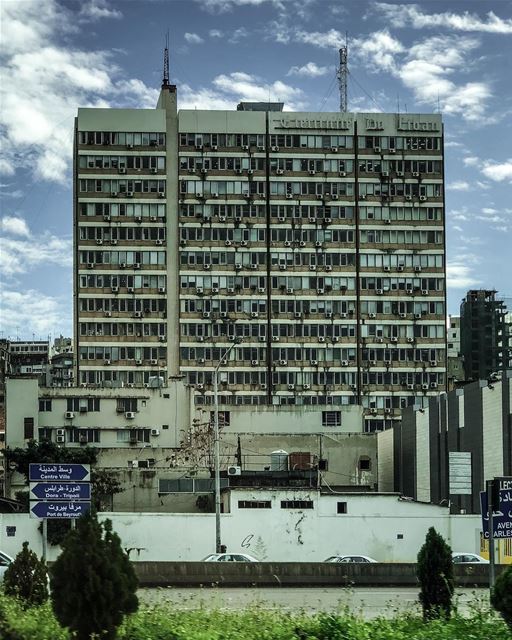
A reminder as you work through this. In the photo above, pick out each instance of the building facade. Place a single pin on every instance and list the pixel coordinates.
(315, 240)
(414, 457)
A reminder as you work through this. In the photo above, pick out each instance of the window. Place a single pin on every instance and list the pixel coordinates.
(296, 504)
(254, 504)
(331, 418)
(133, 435)
(83, 436)
(126, 404)
(83, 404)
(223, 418)
(341, 507)
(365, 463)
(44, 433)
(28, 428)
(45, 404)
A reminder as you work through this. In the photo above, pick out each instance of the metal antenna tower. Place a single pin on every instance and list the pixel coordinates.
(165, 81)
(342, 74)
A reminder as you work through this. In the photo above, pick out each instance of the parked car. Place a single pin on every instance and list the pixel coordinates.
(352, 558)
(5, 561)
(229, 557)
(468, 558)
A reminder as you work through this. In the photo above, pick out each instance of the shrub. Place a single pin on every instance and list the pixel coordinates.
(435, 573)
(93, 581)
(27, 578)
(501, 595)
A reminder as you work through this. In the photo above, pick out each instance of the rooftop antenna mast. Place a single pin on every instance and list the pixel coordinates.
(342, 74)
(165, 81)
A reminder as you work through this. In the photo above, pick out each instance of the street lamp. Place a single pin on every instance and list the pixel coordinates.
(216, 442)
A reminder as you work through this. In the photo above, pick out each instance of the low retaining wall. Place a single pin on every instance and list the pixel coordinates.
(295, 574)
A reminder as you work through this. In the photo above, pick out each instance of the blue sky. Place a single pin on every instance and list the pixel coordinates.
(61, 55)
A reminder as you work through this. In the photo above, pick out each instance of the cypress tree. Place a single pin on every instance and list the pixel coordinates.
(435, 573)
(93, 582)
(27, 578)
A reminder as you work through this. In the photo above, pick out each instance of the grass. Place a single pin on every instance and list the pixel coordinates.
(161, 622)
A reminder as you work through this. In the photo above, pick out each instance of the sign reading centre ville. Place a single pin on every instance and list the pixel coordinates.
(59, 490)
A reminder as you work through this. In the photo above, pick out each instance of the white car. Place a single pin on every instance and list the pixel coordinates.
(5, 561)
(229, 557)
(468, 558)
(353, 558)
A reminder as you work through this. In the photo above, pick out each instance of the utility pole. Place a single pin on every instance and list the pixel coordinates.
(342, 75)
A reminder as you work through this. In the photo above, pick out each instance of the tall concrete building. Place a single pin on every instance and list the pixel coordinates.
(484, 334)
(316, 240)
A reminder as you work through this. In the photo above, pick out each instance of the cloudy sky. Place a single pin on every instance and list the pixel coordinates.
(58, 55)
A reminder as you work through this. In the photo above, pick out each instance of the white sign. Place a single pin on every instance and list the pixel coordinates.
(460, 472)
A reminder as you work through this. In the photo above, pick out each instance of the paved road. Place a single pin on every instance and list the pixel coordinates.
(384, 601)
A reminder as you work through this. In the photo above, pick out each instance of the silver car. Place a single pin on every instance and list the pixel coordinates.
(5, 561)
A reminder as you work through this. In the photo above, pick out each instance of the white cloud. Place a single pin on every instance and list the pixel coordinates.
(238, 34)
(44, 81)
(98, 10)
(458, 185)
(331, 39)
(471, 161)
(23, 255)
(215, 33)
(489, 211)
(250, 88)
(14, 226)
(30, 312)
(498, 172)
(401, 15)
(459, 275)
(222, 6)
(193, 38)
(309, 70)
(379, 49)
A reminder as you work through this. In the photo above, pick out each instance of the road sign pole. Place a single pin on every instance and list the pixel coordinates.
(45, 538)
(490, 507)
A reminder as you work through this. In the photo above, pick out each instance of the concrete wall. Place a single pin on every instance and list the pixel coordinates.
(372, 526)
(385, 481)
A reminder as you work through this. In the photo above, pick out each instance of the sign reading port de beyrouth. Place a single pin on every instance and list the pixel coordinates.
(43, 471)
(59, 509)
(60, 490)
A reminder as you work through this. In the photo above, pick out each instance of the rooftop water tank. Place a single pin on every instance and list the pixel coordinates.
(279, 460)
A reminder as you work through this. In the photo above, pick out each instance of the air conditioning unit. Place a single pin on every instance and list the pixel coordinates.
(243, 243)
(373, 411)
(207, 267)
(279, 172)
(201, 360)
(199, 387)
(107, 362)
(136, 265)
(230, 290)
(415, 174)
(400, 268)
(379, 292)
(137, 314)
(222, 218)
(433, 385)
(235, 470)
(262, 339)
(228, 243)
(321, 339)
(274, 148)
(409, 292)
(214, 147)
(238, 266)
(290, 290)
(408, 197)
(206, 314)
(334, 149)
(254, 314)
(69, 415)
(394, 339)
(362, 196)
(129, 415)
(113, 241)
(313, 363)
(328, 314)
(155, 432)
(417, 269)
(275, 338)
(392, 151)
(343, 314)
(261, 289)
(344, 363)
(386, 268)
(320, 291)
(159, 242)
(384, 174)
(327, 220)
(161, 289)
(283, 363)
(424, 387)
(297, 315)
(289, 196)
(254, 363)
(423, 198)
(387, 363)
(153, 361)
(335, 196)
(424, 292)
(376, 149)
(60, 439)
(387, 411)
(138, 362)
(402, 315)
(129, 194)
(342, 174)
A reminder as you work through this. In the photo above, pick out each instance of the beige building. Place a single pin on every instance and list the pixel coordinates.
(317, 239)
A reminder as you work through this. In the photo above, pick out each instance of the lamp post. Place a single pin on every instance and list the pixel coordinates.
(216, 442)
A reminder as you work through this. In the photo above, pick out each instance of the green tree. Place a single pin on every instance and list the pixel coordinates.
(93, 582)
(435, 573)
(27, 578)
(104, 486)
(501, 595)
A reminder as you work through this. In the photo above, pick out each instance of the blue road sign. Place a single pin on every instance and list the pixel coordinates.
(59, 509)
(501, 515)
(60, 491)
(59, 472)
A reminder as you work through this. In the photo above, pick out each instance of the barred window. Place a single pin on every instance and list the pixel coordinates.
(254, 504)
(331, 418)
(296, 504)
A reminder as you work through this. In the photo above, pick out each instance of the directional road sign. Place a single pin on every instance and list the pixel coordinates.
(501, 515)
(60, 491)
(58, 509)
(59, 472)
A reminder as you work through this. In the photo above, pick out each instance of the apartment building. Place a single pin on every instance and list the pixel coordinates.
(311, 243)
